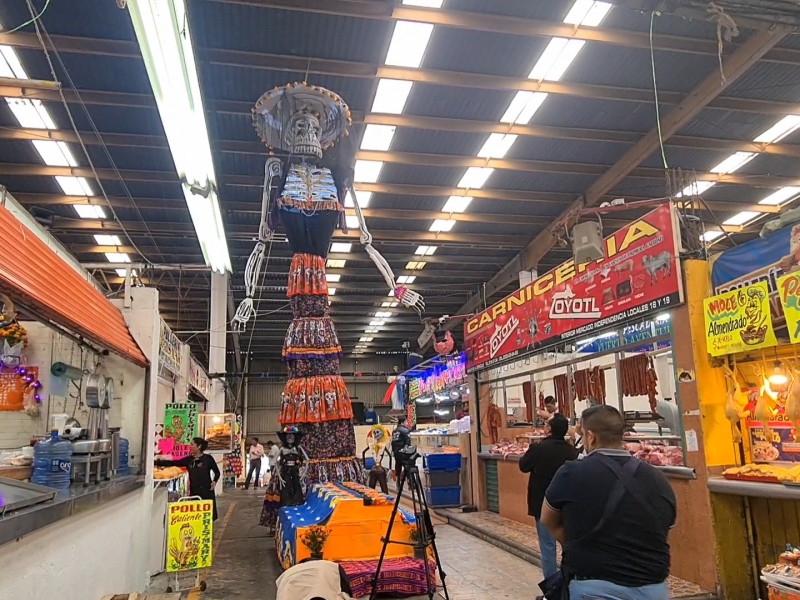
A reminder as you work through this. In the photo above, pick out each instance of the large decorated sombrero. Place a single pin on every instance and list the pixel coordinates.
(290, 429)
(274, 110)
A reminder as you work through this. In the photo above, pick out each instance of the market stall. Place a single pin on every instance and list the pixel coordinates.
(610, 332)
(746, 339)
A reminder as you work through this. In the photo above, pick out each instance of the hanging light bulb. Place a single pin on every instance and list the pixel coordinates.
(777, 378)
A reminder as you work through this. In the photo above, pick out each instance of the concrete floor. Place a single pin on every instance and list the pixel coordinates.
(245, 566)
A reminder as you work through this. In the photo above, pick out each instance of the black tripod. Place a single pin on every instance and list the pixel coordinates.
(426, 536)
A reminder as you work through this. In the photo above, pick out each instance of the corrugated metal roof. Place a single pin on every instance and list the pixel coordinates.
(429, 100)
(766, 80)
(573, 151)
(437, 142)
(571, 111)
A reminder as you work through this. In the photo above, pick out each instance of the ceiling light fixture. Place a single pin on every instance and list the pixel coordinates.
(556, 59)
(331, 291)
(74, 186)
(124, 272)
(107, 240)
(781, 196)
(55, 154)
(475, 177)
(10, 66)
(456, 204)
(497, 145)
(424, 3)
(408, 44)
(415, 265)
(117, 257)
(30, 113)
(341, 247)
(780, 130)
(442, 225)
(383, 314)
(778, 378)
(335, 264)
(164, 36)
(377, 137)
(587, 13)
(696, 189)
(391, 96)
(367, 171)
(406, 279)
(89, 211)
(351, 221)
(362, 197)
(741, 218)
(377, 323)
(523, 107)
(710, 236)
(426, 250)
(734, 162)
(333, 277)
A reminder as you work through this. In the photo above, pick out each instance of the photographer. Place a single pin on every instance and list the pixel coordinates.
(401, 437)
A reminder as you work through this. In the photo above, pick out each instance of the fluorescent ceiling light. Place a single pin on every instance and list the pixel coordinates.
(696, 189)
(123, 272)
(425, 3)
(408, 44)
(89, 211)
(406, 279)
(709, 236)
(455, 204)
(742, 218)
(342, 247)
(118, 257)
(107, 240)
(391, 96)
(377, 323)
(497, 145)
(781, 196)
(388, 304)
(475, 177)
(442, 225)
(332, 277)
(587, 13)
(734, 162)
(556, 59)
(366, 339)
(415, 265)
(74, 186)
(372, 330)
(331, 291)
(55, 154)
(10, 65)
(335, 264)
(377, 137)
(780, 130)
(30, 113)
(367, 171)
(164, 36)
(362, 197)
(351, 221)
(523, 107)
(425, 250)
(383, 314)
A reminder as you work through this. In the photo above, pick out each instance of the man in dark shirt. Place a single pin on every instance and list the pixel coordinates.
(400, 439)
(619, 553)
(542, 461)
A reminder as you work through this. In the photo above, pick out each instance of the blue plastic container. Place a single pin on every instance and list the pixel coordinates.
(443, 496)
(52, 462)
(369, 463)
(124, 447)
(445, 461)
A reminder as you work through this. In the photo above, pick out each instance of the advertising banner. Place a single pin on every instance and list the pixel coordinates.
(739, 320)
(189, 535)
(762, 259)
(438, 378)
(169, 350)
(198, 378)
(638, 276)
(780, 443)
(180, 426)
(789, 293)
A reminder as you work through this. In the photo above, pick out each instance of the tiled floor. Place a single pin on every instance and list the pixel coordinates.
(245, 566)
(520, 539)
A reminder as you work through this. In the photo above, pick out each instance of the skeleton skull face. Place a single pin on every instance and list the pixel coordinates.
(303, 135)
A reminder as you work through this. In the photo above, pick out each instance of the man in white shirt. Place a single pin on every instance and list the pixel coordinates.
(254, 454)
(272, 458)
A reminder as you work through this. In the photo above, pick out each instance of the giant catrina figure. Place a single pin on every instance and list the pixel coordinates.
(307, 176)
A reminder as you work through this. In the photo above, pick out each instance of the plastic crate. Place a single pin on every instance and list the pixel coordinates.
(442, 462)
(445, 496)
(369, 462)
(440, 479)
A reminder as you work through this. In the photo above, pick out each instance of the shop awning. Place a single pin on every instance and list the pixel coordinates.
(34, 275)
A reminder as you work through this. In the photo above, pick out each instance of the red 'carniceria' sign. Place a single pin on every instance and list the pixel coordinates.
(639, 275)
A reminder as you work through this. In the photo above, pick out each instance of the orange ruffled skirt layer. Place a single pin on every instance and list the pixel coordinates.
(307, 276)
(315, 399)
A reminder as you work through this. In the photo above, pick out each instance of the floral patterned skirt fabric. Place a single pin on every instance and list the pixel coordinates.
(311, 337)
(315, 399)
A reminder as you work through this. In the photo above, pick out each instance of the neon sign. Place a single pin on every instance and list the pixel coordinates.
(439, 378)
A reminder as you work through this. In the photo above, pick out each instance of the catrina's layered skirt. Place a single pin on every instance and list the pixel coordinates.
(315, 397)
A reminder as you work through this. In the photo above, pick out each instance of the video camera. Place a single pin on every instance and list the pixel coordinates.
(407, 456)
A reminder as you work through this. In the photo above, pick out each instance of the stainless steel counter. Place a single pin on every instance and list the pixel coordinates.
(775, 491)
(65, 504)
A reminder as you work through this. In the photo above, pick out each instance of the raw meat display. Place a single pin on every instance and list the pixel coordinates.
(591, 383)
(638, 378)
(508, 448)
(657, 454)
(561, 385)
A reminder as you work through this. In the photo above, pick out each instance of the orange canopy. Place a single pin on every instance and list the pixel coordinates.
(34, 275)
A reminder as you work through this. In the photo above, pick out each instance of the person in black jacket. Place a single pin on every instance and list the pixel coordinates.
(200, 467)
(542, 461)
(400, 439)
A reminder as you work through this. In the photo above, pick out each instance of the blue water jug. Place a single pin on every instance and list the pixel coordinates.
(52, 462)
(124, 447)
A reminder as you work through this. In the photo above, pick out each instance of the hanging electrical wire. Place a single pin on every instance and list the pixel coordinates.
(655, 93)
(32, 20)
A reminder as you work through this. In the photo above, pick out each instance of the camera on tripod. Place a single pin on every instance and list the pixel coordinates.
(407, 456)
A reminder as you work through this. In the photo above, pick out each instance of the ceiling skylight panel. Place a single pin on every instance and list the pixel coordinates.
(408, 44)
(424, 3)
(362, 197)
(351, 221)
(406, 279)
(556, 59)
(734, 162)
(367, 171)
(117, 257)
(377, 137)
(30, 113)
(333, 263)
(341, 247)
(742, 218)
(333, 277)
(587, 13)
(442, 225)
(55, 154)
(455, 204)
(497, 145)
(89, 211)
(331, 291)
(523, 107)
(475, 177)
(781, 196)
(425, 250)
(710, 236)
(10, 66)
(391, 96)
(780, 130)
(123, 272)
(696, 188)
(107, 240)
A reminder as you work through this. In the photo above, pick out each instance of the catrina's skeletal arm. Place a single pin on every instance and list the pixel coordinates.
(403, 294)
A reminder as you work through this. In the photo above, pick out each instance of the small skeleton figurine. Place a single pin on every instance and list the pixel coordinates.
(291, 466)
(305, 187)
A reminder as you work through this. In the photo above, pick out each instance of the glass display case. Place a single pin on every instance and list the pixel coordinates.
(218, 431)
